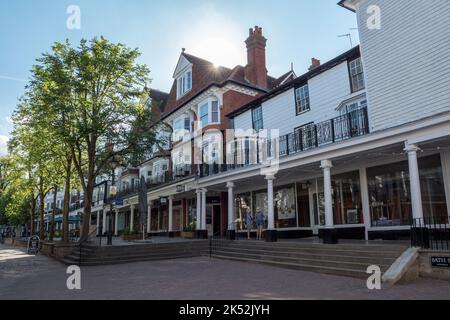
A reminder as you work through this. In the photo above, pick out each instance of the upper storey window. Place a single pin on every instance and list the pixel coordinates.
(184, 83)
(356, 74)
(209, 113)
(302, 99)
(182, 125)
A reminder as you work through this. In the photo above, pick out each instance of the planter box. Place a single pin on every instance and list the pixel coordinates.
(188, 234)
(127, 237)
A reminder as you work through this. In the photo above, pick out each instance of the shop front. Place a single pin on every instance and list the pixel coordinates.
(372, 202)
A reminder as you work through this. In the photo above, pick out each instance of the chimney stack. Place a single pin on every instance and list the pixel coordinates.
(314, 64)
(255, 71)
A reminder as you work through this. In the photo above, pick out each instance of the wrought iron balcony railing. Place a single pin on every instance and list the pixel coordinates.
(343, 127)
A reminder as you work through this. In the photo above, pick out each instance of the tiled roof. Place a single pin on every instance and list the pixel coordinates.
(206, 74)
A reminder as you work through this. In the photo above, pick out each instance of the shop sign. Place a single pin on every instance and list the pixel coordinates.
(33, 245)
(440, 262)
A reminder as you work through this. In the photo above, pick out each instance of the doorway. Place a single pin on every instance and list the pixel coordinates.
(213, 219)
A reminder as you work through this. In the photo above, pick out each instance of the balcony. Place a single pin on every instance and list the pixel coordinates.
(344, 127)
(179, 173)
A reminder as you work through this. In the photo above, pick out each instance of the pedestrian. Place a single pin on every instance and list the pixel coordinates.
(260, 219)
(249, 223)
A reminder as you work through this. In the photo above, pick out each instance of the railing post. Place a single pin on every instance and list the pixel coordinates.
(349, 121)
(332, 130)
(316, 142)
(287, 144)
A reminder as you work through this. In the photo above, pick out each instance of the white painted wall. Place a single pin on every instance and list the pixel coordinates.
(326, 92)
(407, 61)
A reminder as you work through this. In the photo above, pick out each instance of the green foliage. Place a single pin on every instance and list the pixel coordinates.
(84, 104)
(191, 227)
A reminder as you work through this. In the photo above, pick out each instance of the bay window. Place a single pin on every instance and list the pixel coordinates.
(209, 112)
(181, 126)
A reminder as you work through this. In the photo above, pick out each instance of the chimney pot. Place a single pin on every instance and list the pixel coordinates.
(314, 63)
(255, 71)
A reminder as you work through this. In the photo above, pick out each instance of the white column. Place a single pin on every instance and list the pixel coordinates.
(326, 165)
(170, 213)
(204, 209)
(149, 217)
(199, 209)
(132, 218)
(116, 223)
(98, 220)
(104, 221)
(270, 211)
(365, 200)
(230, 186)
(414, 180)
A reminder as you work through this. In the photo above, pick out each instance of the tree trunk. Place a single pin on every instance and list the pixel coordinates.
(88, 190)
(87, 210)
(66, 205)
(32, 215)
(41, 209)
(52, 224)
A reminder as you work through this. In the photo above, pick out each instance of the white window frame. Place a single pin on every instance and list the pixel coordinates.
(209, 103)
(183, 85)
(302, 101)
(180, 132)
(356, 73)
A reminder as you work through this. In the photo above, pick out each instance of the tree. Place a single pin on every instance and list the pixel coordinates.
(91, 96)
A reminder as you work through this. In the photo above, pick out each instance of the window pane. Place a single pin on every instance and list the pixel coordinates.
(242, 203)
(204, 115)
(188, 81)
(215, 111)
(347, 206)
(390, 197)
(284, 207)
(356, 75)
(257, 118)
(187, 124)
(302, 99)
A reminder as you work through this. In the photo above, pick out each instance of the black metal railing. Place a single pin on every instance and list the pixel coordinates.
(179, 173)
(343, 127)
(431, 233)
(221, 239)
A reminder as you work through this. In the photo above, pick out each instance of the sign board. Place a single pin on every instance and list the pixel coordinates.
(440, 262)
(119, 202)
(180, 188)
(163, 200)
(33, 245)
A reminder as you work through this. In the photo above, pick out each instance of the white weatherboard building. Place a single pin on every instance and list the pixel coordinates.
(364, 146)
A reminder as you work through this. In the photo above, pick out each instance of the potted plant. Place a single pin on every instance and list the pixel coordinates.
(189, 231)
(130, 235)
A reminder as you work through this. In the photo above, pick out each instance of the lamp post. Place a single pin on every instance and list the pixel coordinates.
(112, 194)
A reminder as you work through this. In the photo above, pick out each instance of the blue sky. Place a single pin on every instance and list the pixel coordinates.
(297, 30)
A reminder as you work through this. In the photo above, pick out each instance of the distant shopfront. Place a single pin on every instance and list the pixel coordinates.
(299, 208)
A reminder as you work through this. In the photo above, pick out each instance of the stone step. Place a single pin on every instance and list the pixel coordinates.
(285, 244)
(342, 264)
(99, 261)
(124, 255)
(305, 267)
(383, 259)
(143, 248)
(116, 253)
(325, 250)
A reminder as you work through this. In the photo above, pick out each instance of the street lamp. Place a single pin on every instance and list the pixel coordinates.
(112, 194)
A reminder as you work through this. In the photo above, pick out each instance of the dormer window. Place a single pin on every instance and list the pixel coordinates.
(184, 83)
